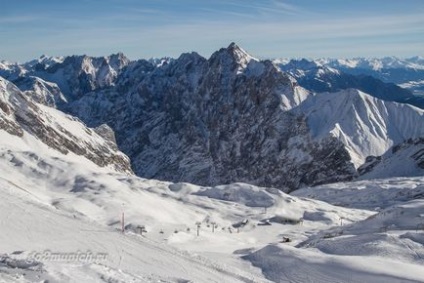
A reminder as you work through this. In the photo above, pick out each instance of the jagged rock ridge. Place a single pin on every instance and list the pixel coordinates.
(224, 119)
(216, 121)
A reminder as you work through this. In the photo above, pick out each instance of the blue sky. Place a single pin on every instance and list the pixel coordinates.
(158, 28)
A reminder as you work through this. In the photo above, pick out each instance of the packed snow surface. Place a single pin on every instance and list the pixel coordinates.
(55, 204)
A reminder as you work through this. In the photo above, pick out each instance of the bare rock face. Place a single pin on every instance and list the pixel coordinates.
(108, 134)
(20, 114)
(370, 162)
(229, 118)
(41, 91)
(7, 118)
(222, 120)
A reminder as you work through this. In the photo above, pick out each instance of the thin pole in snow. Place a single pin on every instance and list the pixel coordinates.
(123, 222)
(198, 227)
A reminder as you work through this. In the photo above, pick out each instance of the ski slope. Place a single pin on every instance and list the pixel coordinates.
(62, 204)
(66, 203)
(39, 214)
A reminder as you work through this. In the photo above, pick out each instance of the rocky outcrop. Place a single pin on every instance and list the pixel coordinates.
(40, 91)
(216, 121)
(64, 133)
(402, 160)
(74, 75)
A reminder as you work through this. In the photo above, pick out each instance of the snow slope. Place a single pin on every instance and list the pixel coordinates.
(66, 204)
(52, 202)
(403, 160)
(281, 263)
(30, 227)
(370, 195)
(364, 124)
(20, 115)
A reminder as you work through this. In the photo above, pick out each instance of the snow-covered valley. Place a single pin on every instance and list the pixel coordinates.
(65, 204)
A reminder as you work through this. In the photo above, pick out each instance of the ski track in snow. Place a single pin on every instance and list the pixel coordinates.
(178, 260)
(31, 220)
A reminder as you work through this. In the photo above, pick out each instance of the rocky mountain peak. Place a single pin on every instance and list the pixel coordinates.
(118, 61)
(216, 121)
(237, 50)
(226, 119)
(233, 58)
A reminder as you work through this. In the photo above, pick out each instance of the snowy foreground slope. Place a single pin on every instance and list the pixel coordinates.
(65, 204)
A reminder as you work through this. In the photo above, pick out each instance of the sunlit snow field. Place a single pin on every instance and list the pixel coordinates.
(65, 204)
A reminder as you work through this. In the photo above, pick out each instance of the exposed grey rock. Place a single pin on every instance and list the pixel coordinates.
(41, 91)
(108, 134)
(229, 118)
(74, 75)
(370, 163)
(216, 121)
(19, 113)
(402, 160)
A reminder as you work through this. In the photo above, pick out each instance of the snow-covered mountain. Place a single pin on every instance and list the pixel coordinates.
(376, 64)
(67, 190)
(214, 121)
(229, 118)
(75, 75)
(407, 73)
(367, 126)
(323, 76)
(41, 91)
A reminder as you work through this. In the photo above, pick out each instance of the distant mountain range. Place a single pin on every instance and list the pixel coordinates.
(229, 118)
(389, 78)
